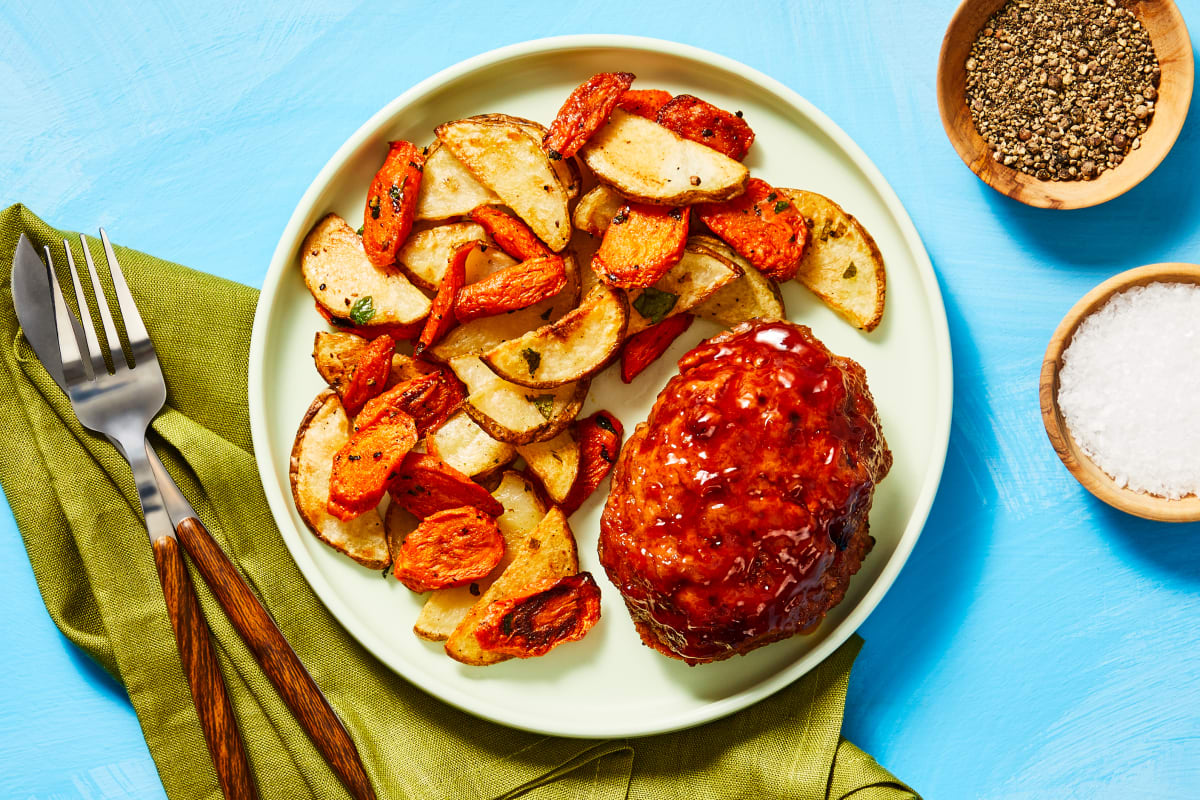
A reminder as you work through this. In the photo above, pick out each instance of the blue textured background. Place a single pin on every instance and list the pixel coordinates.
(1037, 644)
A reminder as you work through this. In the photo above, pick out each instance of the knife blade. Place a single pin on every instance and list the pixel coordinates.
(35, 311)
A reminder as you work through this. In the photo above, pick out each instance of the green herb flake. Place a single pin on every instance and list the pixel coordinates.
(655, 304)
(544, 404)
(781, 205)
(532, 359)
(363, 310)
(850, 272)
(359, 231)
(373, 204)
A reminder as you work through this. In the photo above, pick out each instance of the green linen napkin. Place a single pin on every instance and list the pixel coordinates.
(96, 573)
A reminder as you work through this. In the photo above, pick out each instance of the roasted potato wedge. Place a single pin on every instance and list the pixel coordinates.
(448, 189)
(462, 444)
(575, 347)
(481, 335)
(555, 462)
(697, 276)
(567, 169)
(548, 552)
(843, 265)
(423, 257)
(324, 430)
(508, 159)
(335, 353)
(595, 210)
(513, 413)
(340, 277)
(446, 608)
(397, 524)
(644, 161)
(752, 296)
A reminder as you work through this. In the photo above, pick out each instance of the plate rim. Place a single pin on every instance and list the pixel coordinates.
(283, 255)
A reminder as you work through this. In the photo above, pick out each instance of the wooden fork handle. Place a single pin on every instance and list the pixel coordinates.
(277, 658)
(203, 676)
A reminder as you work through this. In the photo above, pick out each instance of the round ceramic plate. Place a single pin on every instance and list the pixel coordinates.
(609, 684)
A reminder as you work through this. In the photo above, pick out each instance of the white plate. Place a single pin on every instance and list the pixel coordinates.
(610, 684)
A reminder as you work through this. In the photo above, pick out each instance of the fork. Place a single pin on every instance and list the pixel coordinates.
(120, 402)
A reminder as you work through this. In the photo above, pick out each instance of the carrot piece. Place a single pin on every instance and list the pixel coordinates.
(585, 112)
(397, 332)
(641, 245)
(763, 226)
(644, 348)
(550, 613)
(449, 548)
(392, 203)
(599, 443)
(644, 102)
(512, 234)
(693, 118)
(514, 287)
(370, 374)
(441, 317)
(425, 485)
(430, 400)
(365, 466)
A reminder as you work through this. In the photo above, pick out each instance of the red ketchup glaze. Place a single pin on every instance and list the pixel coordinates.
(733, 503)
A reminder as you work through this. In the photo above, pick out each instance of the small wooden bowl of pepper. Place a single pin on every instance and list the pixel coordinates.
(1169, 101)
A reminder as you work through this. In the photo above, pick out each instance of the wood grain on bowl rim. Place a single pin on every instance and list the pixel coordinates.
(1094, 479)
(1173, 47)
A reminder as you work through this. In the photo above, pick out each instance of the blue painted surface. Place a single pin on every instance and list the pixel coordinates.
(1037, 644)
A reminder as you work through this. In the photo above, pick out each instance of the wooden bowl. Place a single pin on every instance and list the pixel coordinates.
(1094, 479)
(1161, 20)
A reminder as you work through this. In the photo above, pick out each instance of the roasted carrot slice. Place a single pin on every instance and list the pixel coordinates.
(425, 485)
(551, 613)
(514, 287)
(366, 465)
(397, 332)
(644, 348)
(599, 443)
(641, 245)
(584, 112)
(392, 203)
(370, 374)
(644, 102)
(513, 235)
(449, 548)
(693, 118)
(763, 226)
(430, 400)
(441, 313)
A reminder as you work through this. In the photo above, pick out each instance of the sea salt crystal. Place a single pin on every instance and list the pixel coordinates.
(1129, 388)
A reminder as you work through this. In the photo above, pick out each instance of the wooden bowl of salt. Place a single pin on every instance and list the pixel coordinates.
(1118, 368)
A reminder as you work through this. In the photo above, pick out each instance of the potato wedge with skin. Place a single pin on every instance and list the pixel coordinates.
(446, 608)
(513, 413)
(424, 256)
(555, 462)
(843, 265)
(341, 279)
(697, 276)
(324, 430)
(752, 296)
(567, 169)
(335, 355)
(575, 347)
(397, 524)
(595, 210)
(646, 162)
(548, 552)
(462, 444)
(448, 189)
(508, 159)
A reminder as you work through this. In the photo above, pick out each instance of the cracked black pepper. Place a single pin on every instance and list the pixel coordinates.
(1062, 89)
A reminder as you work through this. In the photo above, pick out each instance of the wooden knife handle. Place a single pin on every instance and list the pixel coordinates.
(277, 658)
(203, 676)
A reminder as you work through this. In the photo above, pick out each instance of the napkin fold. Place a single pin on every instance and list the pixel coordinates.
(95, 570)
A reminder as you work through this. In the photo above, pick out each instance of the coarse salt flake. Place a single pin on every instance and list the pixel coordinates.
(1129, 388)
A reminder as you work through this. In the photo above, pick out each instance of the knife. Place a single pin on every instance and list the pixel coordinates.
(32, 299)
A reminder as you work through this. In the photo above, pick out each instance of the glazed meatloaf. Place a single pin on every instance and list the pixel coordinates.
(738, 510)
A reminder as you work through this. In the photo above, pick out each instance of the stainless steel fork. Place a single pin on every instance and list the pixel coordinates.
(120, 402)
